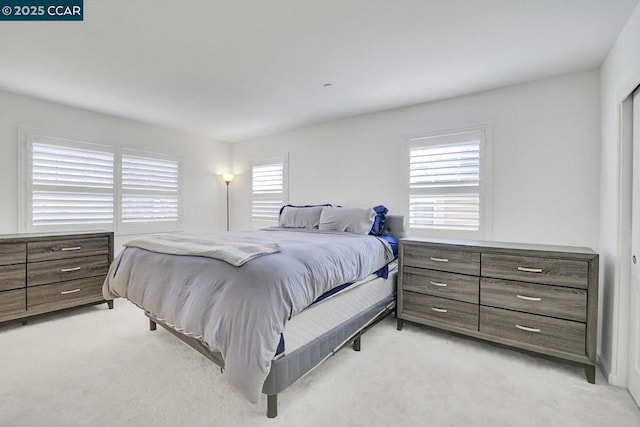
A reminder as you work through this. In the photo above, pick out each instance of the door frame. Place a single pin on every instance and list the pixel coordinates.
(620, 372)
(630, 137)
(623, 266)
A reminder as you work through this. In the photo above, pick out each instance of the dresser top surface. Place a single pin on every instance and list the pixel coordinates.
(23, 237)
(501, 246)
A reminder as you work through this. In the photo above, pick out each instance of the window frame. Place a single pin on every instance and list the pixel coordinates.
(284, 161)
(25, 191)
(443, 138)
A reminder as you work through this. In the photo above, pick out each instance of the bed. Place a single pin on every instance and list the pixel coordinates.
(266, 306)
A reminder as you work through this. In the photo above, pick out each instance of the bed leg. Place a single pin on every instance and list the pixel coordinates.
(272, 405)
(356, 343)
(152, 325)
(399, 324)
(110, 304)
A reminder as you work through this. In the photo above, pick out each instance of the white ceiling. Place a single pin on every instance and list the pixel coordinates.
(241, 69)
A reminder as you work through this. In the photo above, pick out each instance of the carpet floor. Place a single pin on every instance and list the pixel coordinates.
(100, 367)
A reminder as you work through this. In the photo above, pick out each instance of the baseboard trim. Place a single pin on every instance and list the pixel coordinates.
(611, 377)
(604, 368)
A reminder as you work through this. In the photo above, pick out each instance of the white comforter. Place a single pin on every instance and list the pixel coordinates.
(241, 311)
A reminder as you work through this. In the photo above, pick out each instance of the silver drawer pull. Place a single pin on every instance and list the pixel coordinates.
(530, 270)
(439, 310)
(524, 328)
(439, 259)
(442, 285)
(70, 292)
(66, 270)
(74, 248)
(529, 298)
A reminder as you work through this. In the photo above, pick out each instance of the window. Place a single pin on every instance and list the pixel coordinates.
(268, 191)
(150, 190)
(70, 185)
(73, 185)
(448, 192)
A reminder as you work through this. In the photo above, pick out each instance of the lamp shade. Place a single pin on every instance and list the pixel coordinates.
(227, 177)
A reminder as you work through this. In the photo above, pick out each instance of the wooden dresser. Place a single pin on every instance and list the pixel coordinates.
(40, 273)
(538, 298)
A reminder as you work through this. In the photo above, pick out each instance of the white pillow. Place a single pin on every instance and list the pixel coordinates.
(352, 220)
(298, 217)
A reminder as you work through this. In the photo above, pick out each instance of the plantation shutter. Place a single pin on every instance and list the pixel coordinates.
(444, 181)
(150, 189)
(71, 184)
(268, 192)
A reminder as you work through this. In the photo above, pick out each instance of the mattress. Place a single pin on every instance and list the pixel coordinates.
(320, 318)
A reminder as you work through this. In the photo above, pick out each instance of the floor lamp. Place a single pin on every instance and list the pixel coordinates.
(227, 178)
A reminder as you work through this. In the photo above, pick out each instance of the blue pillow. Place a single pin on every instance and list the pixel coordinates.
(392, 242)
(378, 223)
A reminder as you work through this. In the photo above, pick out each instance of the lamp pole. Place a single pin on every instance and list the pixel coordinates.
(228, 204)
(227, 178)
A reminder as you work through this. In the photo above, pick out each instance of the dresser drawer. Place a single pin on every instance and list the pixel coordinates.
(437, 283)
(451, 260)
(57, 296)
(12, 304)
(12, 276)
(545, 332)
(437, 311)
(571, 273)
(554, 301)
(40, 273)
(13, 253)
(67, 248)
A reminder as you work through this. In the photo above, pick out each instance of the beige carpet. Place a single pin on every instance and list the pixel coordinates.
(95, 366)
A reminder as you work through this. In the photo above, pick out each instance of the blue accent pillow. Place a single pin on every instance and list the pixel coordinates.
(378, 223)
(392, 242)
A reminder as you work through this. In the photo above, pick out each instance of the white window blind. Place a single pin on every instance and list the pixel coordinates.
(150, 189)
(70, 184)
(268, 191)
(75, 185)
(445, 191)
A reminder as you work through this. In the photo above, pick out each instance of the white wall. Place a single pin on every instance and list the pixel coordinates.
(202, 159)
(620, 74)
(545, 158)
